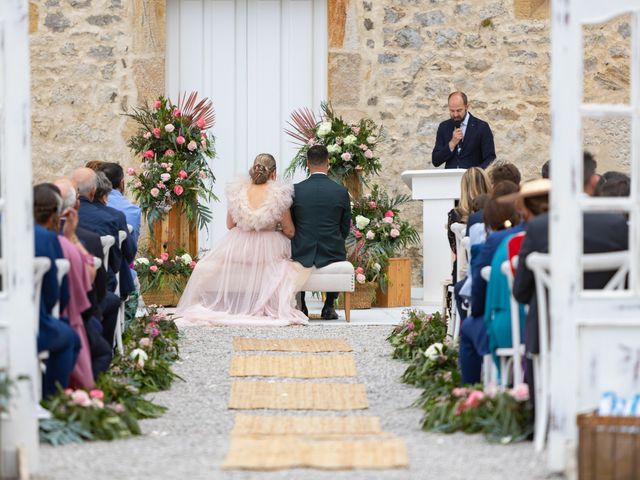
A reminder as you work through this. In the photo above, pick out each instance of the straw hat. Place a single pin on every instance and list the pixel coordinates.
(533, 188)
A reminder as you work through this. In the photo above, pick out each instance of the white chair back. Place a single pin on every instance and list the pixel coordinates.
(122, 236)
(518, 376)
(62, 265)
(97, 263)
(107, 242)
(41, 265)
(462, 264)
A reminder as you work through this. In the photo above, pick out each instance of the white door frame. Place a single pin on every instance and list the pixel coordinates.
(17, 309)
(581, 322)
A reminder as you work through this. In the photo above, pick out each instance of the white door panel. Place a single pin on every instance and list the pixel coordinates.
(258, 60)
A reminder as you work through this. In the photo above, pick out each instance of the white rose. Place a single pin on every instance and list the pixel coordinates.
(334, 149)
(165, 177)
(139, 354)
(324, 129)
(434, 351)
(169, 127)
(371, 139)
(349, 139)
(360, 278)
(186, 258)
(362, 222)
(370, 235)
(192, 145)
(377, 267)
(142, 261)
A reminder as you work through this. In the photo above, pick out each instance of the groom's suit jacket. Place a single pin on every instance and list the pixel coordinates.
(321, 213)
(476, 149)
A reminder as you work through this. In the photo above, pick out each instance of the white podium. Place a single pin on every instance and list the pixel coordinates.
(438, 190)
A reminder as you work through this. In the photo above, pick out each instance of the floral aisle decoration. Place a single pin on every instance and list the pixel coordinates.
(501, 415)
(113, 409)
(164, 272)
(351, 146)
(174, 146)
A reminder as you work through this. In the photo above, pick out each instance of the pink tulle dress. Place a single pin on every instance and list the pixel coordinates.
(79, 286)
(248, 278)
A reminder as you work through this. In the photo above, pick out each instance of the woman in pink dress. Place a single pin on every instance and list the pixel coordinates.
(249, 277)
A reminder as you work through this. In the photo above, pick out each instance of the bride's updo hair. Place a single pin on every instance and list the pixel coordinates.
(263, 166)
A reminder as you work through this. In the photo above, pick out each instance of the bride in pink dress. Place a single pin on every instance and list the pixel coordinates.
(249, 277)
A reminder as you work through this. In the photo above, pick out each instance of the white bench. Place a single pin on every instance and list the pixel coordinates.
(335, 277)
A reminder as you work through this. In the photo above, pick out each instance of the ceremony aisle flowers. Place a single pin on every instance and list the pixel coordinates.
(501, 415)
(351, 146)
(113, 408)
(156, 273)
(173, 145)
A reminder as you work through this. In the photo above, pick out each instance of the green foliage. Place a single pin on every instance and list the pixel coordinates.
(416, 332)
(62, 432)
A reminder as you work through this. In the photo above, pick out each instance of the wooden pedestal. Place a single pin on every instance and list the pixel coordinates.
(174, 233)
(398, 286)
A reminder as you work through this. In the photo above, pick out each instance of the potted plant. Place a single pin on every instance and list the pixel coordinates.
(163, 278)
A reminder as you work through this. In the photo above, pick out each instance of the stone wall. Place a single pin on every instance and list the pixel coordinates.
(399, 60)
(90, 61)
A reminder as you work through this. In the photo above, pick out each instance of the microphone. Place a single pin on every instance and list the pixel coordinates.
(456, 124)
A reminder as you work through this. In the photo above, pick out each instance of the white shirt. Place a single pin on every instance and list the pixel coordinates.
(463, 125)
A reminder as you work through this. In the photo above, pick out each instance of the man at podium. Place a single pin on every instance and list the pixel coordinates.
(463, 141)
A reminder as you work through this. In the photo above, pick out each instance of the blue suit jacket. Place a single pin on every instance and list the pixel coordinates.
(477, 148)
(105, 220)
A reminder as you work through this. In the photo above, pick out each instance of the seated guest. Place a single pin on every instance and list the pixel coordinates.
(590, 177)
(474, 182)
(497, 173)
(55, 335)
(502, 220)
(545, 170)
(101, 350)
(613, 184)
(117, 200)
(80, 276)
(94, 165)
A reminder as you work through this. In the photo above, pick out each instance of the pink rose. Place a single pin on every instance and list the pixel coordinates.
(148, 154)
(157, 104)
(359, 270)
(373, 204)
(161, 185)
(164, 256)
(203, 143)
(99, 394)
(368, 154)
(370, 235)
(346, 156)
(144, 342)
(159, 261)
(80, 397)
(475, 398)
(137, 184)
(200, 123)
(177, 113)
(131, 171)
(68, 391)
(338, 140)
(410, 326)
(168, 152)
(491, 390)
(387, 219)
(153, 268)
(388, 213)
(363, 147)
(178, 190)
(356, 130)
(203, 175)
(154, 332)
(193, 264)
(180, 140)
(156, 132)
(192, 145)
(117, 407)
(360, 278)
(394, 233)
(154, 192)
(146, 135)
(459, 392)
(357, 234)
(164, 165)
(520, 392)
(165, 177)
(182, 174)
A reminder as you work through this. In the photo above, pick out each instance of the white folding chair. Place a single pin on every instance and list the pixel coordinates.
(62, 265)
(97, 263)
(107, 242)
(539, 264)
(41, 265)
(459, 230)
(122, 236)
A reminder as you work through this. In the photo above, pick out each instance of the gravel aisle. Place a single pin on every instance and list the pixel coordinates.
(191, 439)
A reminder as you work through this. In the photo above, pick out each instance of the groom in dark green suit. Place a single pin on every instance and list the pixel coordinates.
(321, 213)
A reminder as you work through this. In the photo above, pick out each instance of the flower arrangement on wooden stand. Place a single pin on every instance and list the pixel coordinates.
(162, 279)
(173, 142)
(351, 147)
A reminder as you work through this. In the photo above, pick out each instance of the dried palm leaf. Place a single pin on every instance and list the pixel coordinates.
(303, 123)
(196, 111)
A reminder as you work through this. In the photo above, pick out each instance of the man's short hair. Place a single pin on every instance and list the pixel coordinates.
(504, 171)
(544, 171)
(114, 173)
(589, 168)
(103, 185)
(462, 95)
(87, 185)
(317, 155)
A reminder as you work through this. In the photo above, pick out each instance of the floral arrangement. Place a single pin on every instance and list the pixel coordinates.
(159, 272)
(351, 146)
(377, 233)
(501, 415)
(174, 146)
(112, 410)
(416, 332)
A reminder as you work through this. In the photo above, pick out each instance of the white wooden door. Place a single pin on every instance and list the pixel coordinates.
(258, 60)
(19, 428)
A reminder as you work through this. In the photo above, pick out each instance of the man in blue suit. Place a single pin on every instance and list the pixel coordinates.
(463, 141)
